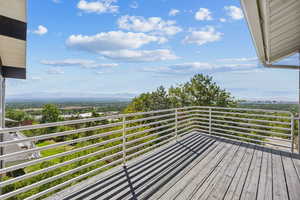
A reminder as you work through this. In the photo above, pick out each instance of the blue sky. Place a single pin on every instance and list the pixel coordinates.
(96, 48)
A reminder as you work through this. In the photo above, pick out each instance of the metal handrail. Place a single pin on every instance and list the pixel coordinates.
(254, 120)
(251, 124)
(252, 115)
(137, 133)
(252, 129)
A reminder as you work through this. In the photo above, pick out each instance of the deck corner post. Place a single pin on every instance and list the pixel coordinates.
(298, 135)
(292, 132)
(210, 120)
(124, 141)
(2, 116)
(176, 124)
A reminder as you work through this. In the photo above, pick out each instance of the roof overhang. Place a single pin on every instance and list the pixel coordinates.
(13, 32)
(275, 28)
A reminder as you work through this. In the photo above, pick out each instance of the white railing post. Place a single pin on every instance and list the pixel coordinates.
(298, 134)
(292, 133)
(124, 141)
(176, 124)
(210, 120)
(2, 120)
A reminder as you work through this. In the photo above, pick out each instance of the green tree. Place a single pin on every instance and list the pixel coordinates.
(156, 100)
(203, 91)
(50, 113)
(18, 115)
(95, 114)
(199, 91)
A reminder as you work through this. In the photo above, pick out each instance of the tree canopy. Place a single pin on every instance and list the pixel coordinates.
(50, 113)
(18, 115)
(200, 90)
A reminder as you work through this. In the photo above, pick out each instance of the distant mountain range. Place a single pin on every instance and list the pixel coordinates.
(63, 97)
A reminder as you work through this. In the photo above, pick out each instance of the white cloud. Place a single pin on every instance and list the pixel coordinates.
(78, 62)
(111, 41)
(99, 7)
(248, 71)
(238, 65)
(238, 59)
(193, 66)
(55, 71)
(203, 14)
(140, 55)
(222, 20)
(134, 5)
(174, 12)
(35, 78)
(121, 46)
(234, 12)
(155, 25)
(203, 36)
(56, 1)
(182, 68)
(42, 30)
(196, 67)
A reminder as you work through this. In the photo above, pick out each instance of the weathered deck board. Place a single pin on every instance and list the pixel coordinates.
(265, 189)
(202, 190)
(169, 171)
(223, 183)
(145, 173)
(201, 175)
(152, 180)
(252, 181)
(119, 181)
(236, 187)
(198, 167)
(173, 190)
(279, 183)
(292, 180)
(167, 185)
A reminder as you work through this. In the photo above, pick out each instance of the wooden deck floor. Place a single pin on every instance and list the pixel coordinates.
(200, 167)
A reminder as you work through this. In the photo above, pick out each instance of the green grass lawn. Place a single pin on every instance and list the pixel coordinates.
(46, 153)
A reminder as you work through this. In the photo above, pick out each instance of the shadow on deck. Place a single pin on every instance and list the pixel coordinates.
(198, 167)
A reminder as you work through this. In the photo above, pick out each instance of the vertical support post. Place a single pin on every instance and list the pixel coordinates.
(176, 124)
(299, 110)
(298, 135)
(292, 132)
(124, 141)
(2, 117)
(210, 121)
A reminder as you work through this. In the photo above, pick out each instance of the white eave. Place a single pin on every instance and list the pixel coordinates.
(274, 26)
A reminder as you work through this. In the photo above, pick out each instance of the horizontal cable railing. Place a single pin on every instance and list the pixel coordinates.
(68, 152)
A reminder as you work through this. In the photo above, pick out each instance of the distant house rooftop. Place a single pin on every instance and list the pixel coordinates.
(16, 147)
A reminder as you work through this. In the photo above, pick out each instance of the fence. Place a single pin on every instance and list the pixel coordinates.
(71, 151)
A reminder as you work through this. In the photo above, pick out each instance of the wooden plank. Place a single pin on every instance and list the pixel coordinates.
(87, 185)
(222, 184)
(141, 175)
(164, 188)
(121, 180)
(292, 179)
(296, 161)
(252, 182)
(153, 183)
(199, 177)
(265, 190)
(235, 189)
(188, 178)
(204, 189)
(279, 183)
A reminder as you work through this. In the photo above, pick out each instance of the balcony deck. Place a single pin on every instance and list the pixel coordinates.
(197, 166)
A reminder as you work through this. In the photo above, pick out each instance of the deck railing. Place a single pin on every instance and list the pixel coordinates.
(72, 151)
